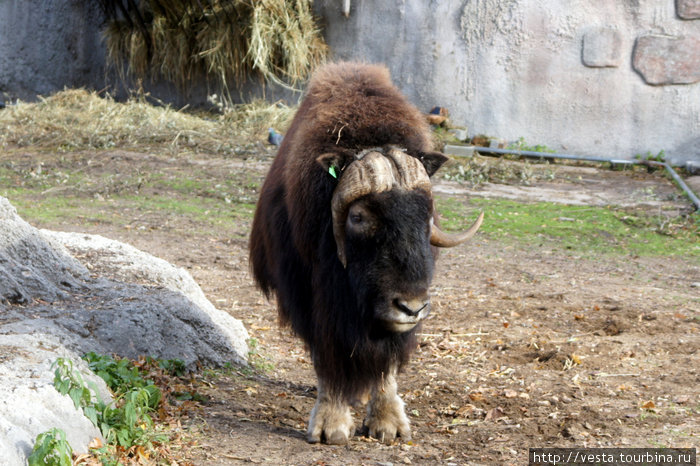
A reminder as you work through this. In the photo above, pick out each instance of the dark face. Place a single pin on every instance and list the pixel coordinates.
(389, 257)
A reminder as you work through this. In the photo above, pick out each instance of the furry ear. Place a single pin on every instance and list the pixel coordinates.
(333, 163)
(432, 161)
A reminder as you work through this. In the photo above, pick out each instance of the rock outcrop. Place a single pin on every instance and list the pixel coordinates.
(65, 294)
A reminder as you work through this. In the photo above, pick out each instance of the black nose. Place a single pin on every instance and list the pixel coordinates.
(412, 307)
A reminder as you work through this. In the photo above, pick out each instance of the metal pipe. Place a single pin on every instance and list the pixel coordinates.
(678, 179)
(553, 155)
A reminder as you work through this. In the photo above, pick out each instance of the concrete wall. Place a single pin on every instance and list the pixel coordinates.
(48, 45)
(556, 73)
(515, 68)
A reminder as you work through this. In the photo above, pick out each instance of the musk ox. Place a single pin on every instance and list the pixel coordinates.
(344, 236)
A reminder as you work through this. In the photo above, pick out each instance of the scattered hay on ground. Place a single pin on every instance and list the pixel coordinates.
(78, 119)
(478, 169)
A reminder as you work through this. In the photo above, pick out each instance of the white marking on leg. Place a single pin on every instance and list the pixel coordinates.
(331, 419)
(386, 417)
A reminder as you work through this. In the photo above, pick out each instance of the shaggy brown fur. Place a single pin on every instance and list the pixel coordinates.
(347, 107)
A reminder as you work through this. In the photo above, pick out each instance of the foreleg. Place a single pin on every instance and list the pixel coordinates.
(386, 417)
(331, 419)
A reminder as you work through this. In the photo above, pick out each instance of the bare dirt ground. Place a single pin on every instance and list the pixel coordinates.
(525, 347)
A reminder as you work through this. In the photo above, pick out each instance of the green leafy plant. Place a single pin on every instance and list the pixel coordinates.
(51, 448)
(120, 375)
(521, 145)
(69, 381)
(174, 367)
(126, 418)
(659, 157)
(125, 422)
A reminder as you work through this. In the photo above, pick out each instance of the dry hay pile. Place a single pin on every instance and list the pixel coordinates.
(78, 119)
(227, 40)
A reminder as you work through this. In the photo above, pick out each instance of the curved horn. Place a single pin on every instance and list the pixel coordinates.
(445, 240)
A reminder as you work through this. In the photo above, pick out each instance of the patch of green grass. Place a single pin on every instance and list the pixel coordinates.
(56, 195)
(204, 210)
(37, 177)
(257, 360)
(184, 185)
(580, 229)
(520, 144)
(52, 209)
(125, 210)
(67, 209)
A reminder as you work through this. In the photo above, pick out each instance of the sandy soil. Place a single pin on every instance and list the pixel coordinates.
(525, 347)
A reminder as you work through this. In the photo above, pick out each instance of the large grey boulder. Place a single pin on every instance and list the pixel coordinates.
(32, 268)
(128, 303)
(148, 306)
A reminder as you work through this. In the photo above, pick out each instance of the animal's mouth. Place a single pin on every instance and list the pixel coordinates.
(402, 315)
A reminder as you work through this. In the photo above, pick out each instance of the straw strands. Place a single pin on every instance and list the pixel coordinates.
(229, 41)
(77, 119)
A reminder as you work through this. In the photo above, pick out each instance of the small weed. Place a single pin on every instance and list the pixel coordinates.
(521, 145)
(120, 375)
(51, 448)
(212, 374)
(126, 420)
(69, 381)
(259, 362)
(445, 136)
(657, 444)
(659, 157)
(174, 367)
(648, 414)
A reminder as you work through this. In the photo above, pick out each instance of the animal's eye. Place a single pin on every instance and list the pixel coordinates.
(356, 218)
(360, 220)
